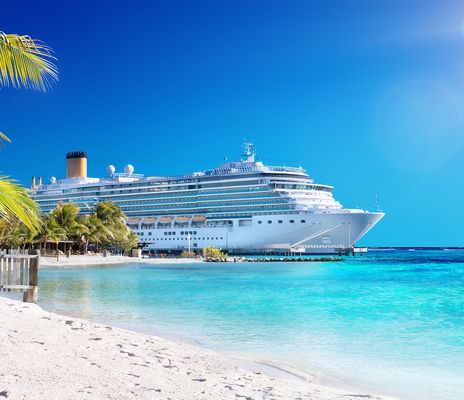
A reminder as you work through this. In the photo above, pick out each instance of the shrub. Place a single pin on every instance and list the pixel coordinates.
(187, 254)
(213, 252)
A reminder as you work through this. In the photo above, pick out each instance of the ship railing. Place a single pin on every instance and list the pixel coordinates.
(286, 169)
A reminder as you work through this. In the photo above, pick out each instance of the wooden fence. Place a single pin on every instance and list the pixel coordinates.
(19, 272)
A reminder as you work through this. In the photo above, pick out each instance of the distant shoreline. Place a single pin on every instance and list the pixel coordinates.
(415, 248)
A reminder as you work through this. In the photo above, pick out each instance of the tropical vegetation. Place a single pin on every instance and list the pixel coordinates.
(102, 229)
(214, 253)
(188, 254)
(27, 63)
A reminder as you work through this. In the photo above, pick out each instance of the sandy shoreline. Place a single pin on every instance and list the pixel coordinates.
(83, 261)
(50, 356)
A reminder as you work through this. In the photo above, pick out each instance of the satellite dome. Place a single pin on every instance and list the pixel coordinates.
(110, 170)
(52, 180)
(129, 169)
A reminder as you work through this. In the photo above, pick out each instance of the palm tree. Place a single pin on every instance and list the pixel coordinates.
(66, 216)
(51, 232)
(131, 241)
(109, 213)
(97, 232)
(18, 236)
(114, 219)
(24, 62)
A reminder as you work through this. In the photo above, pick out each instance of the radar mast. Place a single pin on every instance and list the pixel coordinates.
(248, 152)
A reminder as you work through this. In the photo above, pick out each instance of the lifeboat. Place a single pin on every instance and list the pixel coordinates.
(165, 220)
(149, 220)
(183, 218)
(198, 218)
(133, 220)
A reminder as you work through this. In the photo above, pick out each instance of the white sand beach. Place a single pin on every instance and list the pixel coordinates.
(50, 356)
(89, 260)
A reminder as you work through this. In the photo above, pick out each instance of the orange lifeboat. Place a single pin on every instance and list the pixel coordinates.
(185, 218)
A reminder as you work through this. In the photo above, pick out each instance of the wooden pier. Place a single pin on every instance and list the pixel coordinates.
(19, 272)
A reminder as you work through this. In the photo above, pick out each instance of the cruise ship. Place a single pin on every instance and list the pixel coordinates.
(243, 206)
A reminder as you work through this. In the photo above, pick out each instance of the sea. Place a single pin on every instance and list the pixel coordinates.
(390, 321)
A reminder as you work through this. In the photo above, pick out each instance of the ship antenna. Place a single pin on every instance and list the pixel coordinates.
(378, 208)
(249, 152)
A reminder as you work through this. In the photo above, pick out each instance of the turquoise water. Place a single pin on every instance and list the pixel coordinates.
(392, 322)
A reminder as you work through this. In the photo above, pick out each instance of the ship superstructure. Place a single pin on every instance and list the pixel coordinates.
(241, 206)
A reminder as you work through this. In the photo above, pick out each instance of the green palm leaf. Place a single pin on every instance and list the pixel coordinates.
(16, 205)
(26, 62)
(4, 137)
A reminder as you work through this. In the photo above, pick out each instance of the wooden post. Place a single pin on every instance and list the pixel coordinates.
(31, 295)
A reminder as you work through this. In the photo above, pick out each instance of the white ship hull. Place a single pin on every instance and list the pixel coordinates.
(310, 233)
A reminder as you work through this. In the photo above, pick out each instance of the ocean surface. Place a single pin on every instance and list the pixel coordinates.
(390, 321)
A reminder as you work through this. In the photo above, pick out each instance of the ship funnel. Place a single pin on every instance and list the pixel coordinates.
(33, 182)
(76, 164)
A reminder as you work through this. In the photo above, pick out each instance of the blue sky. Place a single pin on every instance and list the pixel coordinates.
(367, 96)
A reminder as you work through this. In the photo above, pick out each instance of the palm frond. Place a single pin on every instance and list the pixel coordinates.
(4, 137)
(16, 205)
(26, 62)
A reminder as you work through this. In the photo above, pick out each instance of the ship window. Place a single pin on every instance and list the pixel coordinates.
(280, 221)
(269, 222)
(260, 222)
(194, 232)
(292, 221)
(149, 233)
(303, 221)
